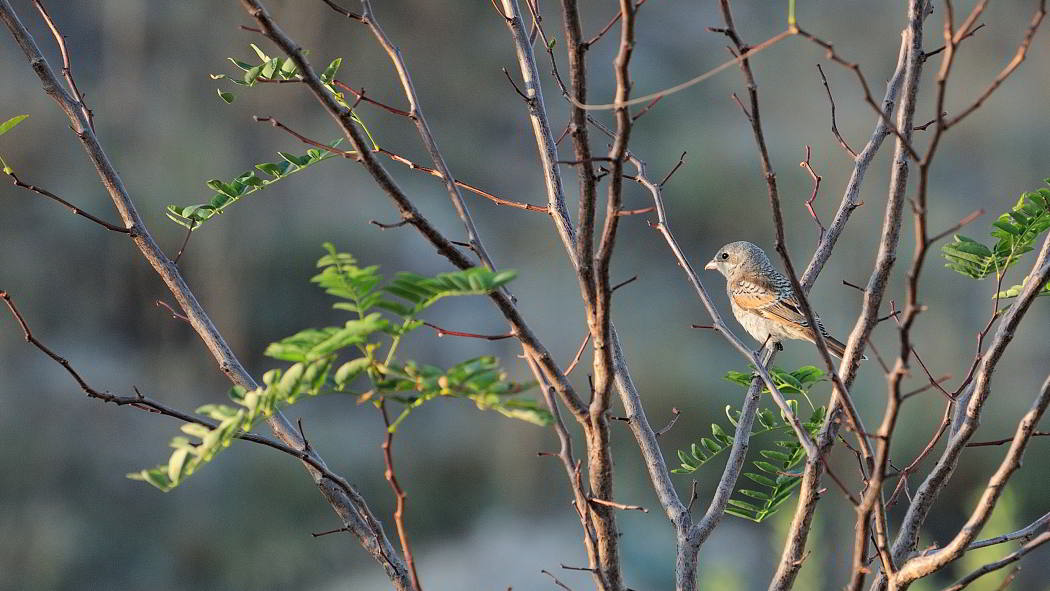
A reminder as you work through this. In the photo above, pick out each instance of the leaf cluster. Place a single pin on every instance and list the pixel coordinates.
(331, 359)
(1015, 232)
(269, 69)
(244, 184)
(774, 477)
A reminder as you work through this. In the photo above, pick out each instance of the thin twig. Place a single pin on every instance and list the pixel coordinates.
(834, 126)
(67, 69)
(73, 208)
(455, 333)
(556, 581)
(616, 505)
(172, 311)
(399, 494)
(1003, 441)
(675, 413)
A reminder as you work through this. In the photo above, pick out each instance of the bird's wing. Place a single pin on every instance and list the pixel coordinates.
(768, 297)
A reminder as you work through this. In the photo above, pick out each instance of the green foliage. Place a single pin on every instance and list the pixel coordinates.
(8, 125)
(775, 467)
(201, 443)
(1015, 232)
(5, 127)
(248, 182)
(331, 359)
(269, 69)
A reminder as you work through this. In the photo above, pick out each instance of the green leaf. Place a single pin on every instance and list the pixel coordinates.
(349, 370)
(745, 505)
(262, 55)
(227, 97)
(760, 479)
(10, 124)
(329, 73)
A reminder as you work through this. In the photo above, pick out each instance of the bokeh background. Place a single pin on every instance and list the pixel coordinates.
(484, 511)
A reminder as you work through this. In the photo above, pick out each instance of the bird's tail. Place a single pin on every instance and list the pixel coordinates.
(837, 348)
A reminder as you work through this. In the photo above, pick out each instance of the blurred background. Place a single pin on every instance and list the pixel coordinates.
(484, 511)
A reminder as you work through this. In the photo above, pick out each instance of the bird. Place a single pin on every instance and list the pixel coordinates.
(762, 299)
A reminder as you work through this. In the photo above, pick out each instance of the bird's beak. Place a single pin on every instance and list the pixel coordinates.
(711, 265)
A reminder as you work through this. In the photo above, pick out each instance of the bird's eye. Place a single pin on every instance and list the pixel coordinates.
(725, 255)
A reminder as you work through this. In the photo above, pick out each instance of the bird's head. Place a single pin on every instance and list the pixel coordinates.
(738, 256)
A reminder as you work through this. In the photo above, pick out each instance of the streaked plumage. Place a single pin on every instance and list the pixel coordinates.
(762, 299)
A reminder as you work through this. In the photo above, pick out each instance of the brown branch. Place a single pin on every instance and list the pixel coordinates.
(834, 126)
(399, 494)
(73, 208)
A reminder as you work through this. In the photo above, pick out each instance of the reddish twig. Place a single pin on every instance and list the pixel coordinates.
(399, 494)
(185, 241)
(172, 311)
(455, 333)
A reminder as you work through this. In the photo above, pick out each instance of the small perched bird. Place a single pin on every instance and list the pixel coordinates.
(762, 299)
